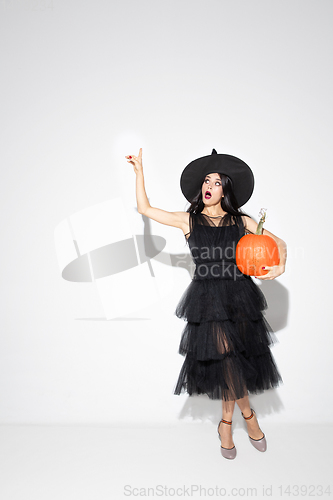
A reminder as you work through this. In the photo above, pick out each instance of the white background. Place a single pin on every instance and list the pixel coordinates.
(86, 82)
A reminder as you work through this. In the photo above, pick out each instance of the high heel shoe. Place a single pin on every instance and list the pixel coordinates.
(259, 444)
(226, 452)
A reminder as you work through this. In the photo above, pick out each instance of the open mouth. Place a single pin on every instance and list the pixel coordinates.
(208, 195)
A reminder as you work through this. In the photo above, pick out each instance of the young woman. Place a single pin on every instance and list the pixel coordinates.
(226, 340)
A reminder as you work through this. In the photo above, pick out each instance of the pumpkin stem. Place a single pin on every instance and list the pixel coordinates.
(261, 222)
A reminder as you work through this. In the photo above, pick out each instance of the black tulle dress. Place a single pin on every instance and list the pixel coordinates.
(226, 340)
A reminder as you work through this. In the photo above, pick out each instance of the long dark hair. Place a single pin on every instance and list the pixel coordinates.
(228, 202)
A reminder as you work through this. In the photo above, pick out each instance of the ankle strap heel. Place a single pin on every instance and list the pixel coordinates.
(259, 444)
(229, 453)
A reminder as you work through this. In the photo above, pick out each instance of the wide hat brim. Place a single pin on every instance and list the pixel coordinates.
(239, 172)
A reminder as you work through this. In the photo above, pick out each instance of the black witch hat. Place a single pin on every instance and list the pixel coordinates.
(239, 172)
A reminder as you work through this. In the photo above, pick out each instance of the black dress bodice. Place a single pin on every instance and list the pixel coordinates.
(212, 243)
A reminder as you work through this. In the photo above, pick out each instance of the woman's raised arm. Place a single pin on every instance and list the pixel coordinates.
(176, 219)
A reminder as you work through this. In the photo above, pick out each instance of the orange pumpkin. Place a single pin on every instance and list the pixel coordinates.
(255, 251)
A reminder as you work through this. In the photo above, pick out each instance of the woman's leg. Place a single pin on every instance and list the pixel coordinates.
(253, 428)
(225, 430)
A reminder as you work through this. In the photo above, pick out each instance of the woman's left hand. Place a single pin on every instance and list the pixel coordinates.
(273, 272)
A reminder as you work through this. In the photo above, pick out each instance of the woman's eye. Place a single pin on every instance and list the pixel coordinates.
(218, 183)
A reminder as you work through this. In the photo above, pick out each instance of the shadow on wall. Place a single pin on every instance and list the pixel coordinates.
(277, 297)
(181, 261)
(121, 256)
(129, 271)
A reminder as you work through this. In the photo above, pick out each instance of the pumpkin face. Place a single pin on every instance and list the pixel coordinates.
(255, 251)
